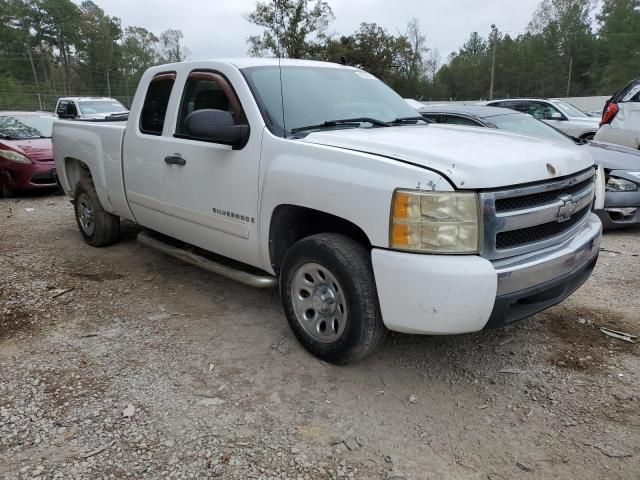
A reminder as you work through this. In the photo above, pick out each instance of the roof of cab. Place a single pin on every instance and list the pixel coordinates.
(248, 62)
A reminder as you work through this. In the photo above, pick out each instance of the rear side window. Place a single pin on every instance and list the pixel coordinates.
(62, 107)
(456, 120)
(155, 104)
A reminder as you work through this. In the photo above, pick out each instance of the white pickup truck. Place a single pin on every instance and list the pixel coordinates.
(320, 179)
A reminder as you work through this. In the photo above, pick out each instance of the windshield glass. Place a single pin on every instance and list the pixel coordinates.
(91, 107)
(20, 127)
(569, 109)
(314, 95)
(527, 125)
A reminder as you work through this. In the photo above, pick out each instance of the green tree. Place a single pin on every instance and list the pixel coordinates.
(171, 47)
(293, 28)
(619, 37)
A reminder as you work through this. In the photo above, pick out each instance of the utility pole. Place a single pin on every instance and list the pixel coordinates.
(570, 72)
(494, 36)
(35, 77)
(108, 85)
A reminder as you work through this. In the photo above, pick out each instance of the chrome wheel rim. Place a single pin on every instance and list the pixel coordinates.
(85, 214)
(318, 302)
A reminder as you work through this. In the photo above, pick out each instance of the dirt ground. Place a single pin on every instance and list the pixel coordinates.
(123, 363)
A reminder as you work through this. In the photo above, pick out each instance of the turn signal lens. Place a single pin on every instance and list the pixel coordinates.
(435, 222)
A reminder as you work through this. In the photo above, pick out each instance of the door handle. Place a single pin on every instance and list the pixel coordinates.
(174, 160)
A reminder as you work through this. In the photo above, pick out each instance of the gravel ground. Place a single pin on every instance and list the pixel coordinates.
(124, 363)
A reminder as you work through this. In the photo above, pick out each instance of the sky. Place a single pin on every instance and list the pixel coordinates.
(217, 28)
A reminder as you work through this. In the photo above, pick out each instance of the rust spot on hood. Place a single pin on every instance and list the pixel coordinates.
(551, 169)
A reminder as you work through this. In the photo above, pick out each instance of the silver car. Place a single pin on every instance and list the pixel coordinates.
(557, 113)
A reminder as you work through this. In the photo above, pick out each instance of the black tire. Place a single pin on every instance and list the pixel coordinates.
(350, 263)
(106, 226)
(4, 191)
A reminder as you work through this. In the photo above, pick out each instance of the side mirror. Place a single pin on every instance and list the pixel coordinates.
(556, 116)
(216, 126)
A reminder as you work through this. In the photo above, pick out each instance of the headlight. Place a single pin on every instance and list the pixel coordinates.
(14, 156)
(434, 222)
(615, 184)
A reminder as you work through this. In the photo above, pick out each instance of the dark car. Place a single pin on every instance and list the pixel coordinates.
(26, 156)
(621, 164)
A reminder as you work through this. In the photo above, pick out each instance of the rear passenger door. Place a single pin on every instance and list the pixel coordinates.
(143, 161)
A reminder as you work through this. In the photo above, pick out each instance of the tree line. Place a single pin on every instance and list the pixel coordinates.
(50, 48)
(569, 48)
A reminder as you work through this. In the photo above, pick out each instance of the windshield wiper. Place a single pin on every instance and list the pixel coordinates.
(409, 120)
(345, 121)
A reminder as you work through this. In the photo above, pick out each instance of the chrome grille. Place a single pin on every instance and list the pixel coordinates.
(529, 218)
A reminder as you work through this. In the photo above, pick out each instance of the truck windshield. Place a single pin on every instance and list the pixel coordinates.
(92, 107)
(316, 97)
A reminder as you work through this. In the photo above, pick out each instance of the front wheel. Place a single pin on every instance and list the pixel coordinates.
(329, 297)
(99, 228)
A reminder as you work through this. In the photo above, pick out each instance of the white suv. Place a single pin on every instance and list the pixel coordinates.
(621, 117)
(557, 113)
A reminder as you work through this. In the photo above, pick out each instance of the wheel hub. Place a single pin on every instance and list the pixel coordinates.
(324, 300)
(318, 302)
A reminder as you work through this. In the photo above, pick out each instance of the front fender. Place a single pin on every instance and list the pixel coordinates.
(355, 186)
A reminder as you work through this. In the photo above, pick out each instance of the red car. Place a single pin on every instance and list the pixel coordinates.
(26, 154)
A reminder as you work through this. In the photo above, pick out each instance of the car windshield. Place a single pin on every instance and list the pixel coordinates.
(91, 107)
(527, 125)
(569, 109)
(312, 96)
(21, 127)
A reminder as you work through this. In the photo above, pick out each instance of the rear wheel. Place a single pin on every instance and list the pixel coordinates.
(329, 296)
(99, 228)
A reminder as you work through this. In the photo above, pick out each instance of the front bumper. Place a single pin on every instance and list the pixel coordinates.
(616, 205)
(447, 294)
(17, 176)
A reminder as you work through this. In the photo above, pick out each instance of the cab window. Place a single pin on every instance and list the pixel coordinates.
(207, 90)
(155, 104)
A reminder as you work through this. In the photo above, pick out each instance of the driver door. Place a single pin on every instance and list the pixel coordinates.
(210, 190)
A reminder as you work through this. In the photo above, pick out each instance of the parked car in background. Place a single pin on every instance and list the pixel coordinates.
(26, 156)
(621, 165)
(89, 108)
(620, 122)
(557, 113)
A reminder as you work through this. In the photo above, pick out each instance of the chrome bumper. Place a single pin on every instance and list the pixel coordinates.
(526, 271)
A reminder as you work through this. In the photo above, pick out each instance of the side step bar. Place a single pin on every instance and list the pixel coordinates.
(256, 281)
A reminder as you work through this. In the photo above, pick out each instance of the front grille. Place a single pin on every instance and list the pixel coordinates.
(523, 236)
(531, 217)
(43, 179)
(536, 199)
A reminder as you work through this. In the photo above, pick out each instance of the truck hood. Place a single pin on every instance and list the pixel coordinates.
(470, 157)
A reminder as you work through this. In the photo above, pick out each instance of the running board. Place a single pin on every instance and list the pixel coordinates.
(256, 281)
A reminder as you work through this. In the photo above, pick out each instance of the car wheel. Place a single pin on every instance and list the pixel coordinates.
(99, 228)
(329, 297)
(4, 191)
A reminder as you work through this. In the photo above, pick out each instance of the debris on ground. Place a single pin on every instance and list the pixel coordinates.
(624, 336)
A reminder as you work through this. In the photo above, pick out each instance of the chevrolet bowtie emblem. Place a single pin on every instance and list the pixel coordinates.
(568, 207)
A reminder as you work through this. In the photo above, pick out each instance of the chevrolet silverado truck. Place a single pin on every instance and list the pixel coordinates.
(320, 179)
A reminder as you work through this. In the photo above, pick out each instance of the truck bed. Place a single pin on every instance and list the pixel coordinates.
(99, 145)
